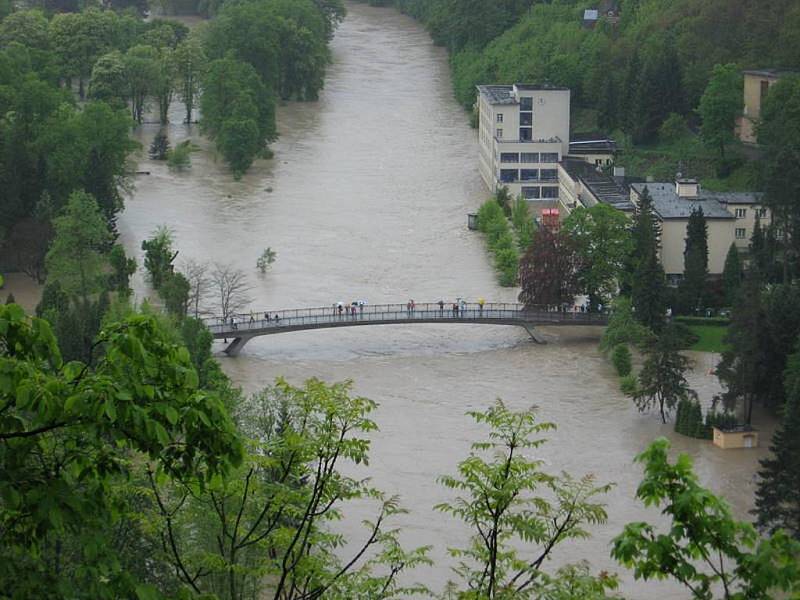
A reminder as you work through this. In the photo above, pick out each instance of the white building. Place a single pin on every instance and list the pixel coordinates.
(523, 134)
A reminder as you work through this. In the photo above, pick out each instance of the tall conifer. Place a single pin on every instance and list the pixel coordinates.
(695, 262)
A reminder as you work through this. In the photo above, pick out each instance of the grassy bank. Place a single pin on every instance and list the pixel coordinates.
(710, 337)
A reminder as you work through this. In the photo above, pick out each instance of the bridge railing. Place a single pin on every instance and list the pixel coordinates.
(377, 313)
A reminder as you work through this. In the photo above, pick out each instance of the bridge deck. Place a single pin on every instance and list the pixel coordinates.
(250, 325)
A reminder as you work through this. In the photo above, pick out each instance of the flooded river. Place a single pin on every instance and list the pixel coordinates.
(367, 199)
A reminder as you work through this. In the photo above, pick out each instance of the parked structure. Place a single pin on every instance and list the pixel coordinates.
(756, 86)
(523, 134)
(743, 436)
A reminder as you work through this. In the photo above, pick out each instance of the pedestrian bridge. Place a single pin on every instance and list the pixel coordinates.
(241, 328)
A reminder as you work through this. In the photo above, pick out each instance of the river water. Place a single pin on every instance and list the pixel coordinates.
(367, 198)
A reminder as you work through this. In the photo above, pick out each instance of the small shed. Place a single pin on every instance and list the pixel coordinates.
(743, 436)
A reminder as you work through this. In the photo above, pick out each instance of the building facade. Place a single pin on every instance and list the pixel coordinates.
(523, 133)
(756, 87)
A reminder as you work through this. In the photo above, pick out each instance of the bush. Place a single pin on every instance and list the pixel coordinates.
(723, 321)
(689, 420)
(180, 158)
(506, 261)
(489, 212)
(628, 384)
(621, 359)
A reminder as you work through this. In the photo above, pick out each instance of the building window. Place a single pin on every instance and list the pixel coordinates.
(598, 162)
(526, 104)
(526, 119)
(525, 134)
(762, 213)
(509, 175)
(741, 233)
(549, 192)
(509, 157)
(499, 117)
(499, 134)
(529, 157)
(529, 174)
(550, 157)
(531, 193)
(549, 174)
(740, 213)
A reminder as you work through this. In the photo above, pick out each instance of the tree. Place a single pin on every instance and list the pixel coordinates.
(647, 293)
(603, 243)
(704, 548)
(661, 381)
(159, 146)
(191, 63)
(196, 274)
(231, 289)
(719, 107)
(623, 328)
(72, 432)
(732, 275)
(179, 158)
(164, 84)
(25, 27)
(108, 81)
(778, 134)
(141, 75)
(502, 501)
(272, 512)
(548, 271)
(174, 291)
(158, 256)
(122, 269)
(77, 256)
(777, 502)
(695, 263)
(266, 259)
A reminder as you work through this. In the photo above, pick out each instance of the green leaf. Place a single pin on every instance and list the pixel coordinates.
(147, 591)
(172, 414)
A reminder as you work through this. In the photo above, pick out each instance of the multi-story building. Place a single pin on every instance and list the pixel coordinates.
(730, 218)
(523, 134)
(756, 86)
(581, 184)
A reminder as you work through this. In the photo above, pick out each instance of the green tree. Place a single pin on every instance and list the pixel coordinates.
(719, 107)
(704, 548)
(623, 328)
(732, 275)
(159, 256)
(26, 27)
(141, 75)
(777, 503)
(661, 381)
(500, 497)
(164, 84)
(77, 256)
(159, 147)
(122, 269)
(71, 431)
(647, 292)
(174, 290)
(603, 242)
(549, 270)
(108, 81)
(191, 63)
(266, 259)
(695, 263)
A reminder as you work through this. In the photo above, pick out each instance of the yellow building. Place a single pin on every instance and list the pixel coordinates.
(756, 86)
(737, 437)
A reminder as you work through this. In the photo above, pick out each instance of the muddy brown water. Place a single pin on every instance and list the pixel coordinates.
(370, 188)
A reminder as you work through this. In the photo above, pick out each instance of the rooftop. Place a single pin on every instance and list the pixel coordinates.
(604, 187)
(503, 94)
(669, 205)
(769, 72)
(591, 143)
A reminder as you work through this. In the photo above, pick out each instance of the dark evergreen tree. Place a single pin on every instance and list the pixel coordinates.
(123, 267)
(646, 234)
(174, 291)
(10, 299)
(777, 499)
(732, 276)
(160, 146)
(647, 294)
(658, 92)
(662, 382)
(695, 263)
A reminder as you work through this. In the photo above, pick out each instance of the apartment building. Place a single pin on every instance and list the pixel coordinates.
(730, 218)
(523, 134)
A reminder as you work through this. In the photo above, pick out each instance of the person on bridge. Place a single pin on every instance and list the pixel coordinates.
(481, 302)
(455, 309)
(408, 308)
(267, 317)
(277, 318)
(441, 306)
(340, 307)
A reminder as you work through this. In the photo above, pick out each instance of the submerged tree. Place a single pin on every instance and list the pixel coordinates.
(266, 259)
(519, 513)
(549, 270)
(159, 148)
(661, 381)
(231, 289)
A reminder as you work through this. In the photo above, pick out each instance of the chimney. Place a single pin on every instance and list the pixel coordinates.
(619, 172)
(687, 188)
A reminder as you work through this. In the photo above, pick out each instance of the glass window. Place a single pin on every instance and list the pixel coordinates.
(530, 192)
(741, 213)
(499, 117)
(525, 134)
(741, 233)
(549, 174)
(762, 213)
(529, 157)
(529, 174)
(509, 157)
(499, 134)
(509, 175)
(550, 157)
(526, 119)
(549, 192)
(526, 104)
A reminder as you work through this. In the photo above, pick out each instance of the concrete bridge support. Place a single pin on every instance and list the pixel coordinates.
(535, 335)
(237, 344)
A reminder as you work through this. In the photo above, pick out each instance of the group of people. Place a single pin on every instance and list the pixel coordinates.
(357, 306)
(234, 321)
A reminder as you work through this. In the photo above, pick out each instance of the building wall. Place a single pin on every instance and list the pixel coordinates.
(673, 243)
(752, 105)
(747, 222)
